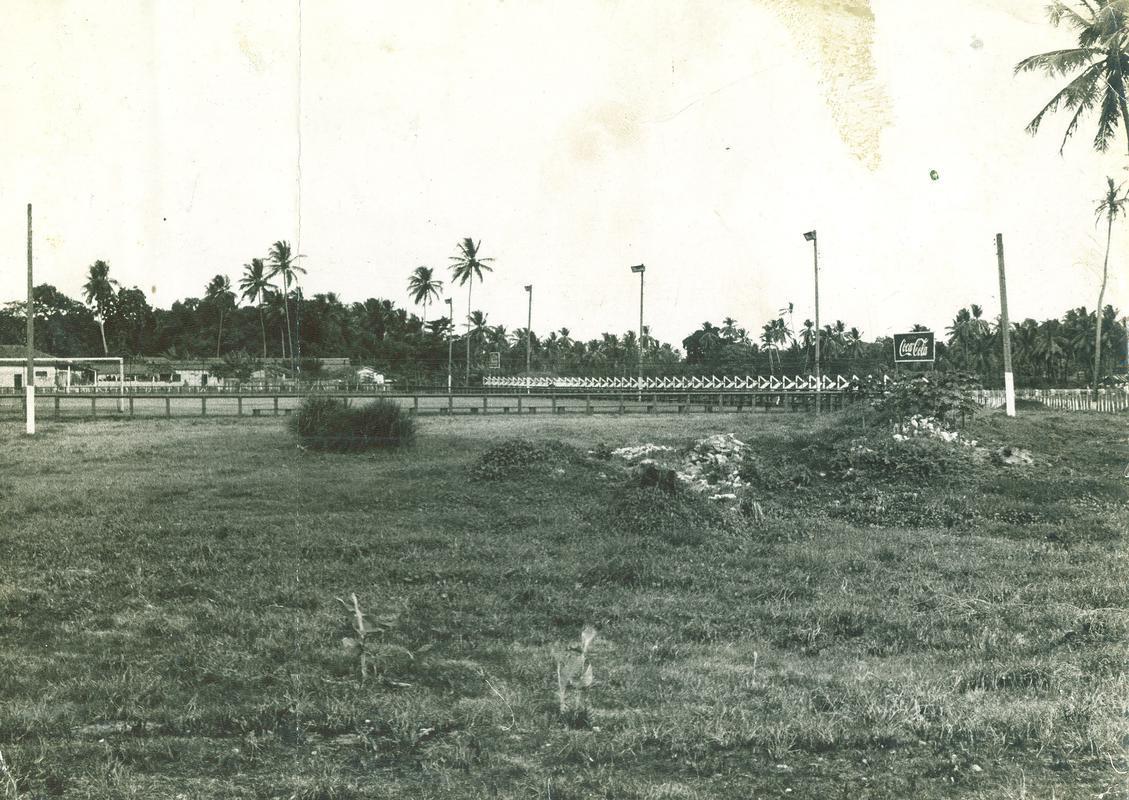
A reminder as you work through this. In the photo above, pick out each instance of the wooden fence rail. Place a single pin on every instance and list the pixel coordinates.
(60, 405)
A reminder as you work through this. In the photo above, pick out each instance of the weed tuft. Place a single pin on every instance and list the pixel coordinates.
(329, 423)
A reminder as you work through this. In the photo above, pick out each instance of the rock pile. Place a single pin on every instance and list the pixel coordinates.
(930, 427)
(634, 454)
(712, 466)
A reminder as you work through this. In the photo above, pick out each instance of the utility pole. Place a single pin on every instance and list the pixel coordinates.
(1009, 379)
(528, 335)
(29, 389)
(640, 268)
(450, 339)
(811, 237)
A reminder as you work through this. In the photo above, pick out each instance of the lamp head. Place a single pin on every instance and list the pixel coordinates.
(529, 287)
(809, 236)
(639, 268)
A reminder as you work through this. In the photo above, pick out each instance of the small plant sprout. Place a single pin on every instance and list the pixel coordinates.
(574, 677)
(358, 643)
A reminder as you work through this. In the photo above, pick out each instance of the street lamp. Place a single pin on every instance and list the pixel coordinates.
(811, 237)
(640, 268)
(450, 339)
(528, 335)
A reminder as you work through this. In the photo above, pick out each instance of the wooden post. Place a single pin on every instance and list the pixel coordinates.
(276, 405)
(56, 406)
(203, 405)
(94, 405)
(415, 403)
(519, 404)
(485, 397)
(238, 405)
(588, 404)
(131, 406)
(168, 406)
(554, 399)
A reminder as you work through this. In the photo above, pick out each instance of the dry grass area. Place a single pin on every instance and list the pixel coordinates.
(171, 626)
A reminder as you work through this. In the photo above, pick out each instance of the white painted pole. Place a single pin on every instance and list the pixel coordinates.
(121, 385)
(1009, 380)
(29, 389)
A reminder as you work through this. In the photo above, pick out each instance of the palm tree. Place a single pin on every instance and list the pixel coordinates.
(1111, 206)
(1049, 346)
(220, 295)
(468, 266)
(422, 287)
(283, 262)
(478, 328)
(98, 291)
(255, 283)
(1101, 61)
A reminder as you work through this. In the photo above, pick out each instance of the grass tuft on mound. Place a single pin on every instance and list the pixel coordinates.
(328, 423)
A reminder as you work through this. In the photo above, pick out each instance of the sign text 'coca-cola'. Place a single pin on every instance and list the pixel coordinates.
(916, 346)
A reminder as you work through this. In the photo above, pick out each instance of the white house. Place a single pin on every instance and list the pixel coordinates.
(13, 369)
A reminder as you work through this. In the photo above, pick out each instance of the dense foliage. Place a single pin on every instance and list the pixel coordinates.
(327, 423)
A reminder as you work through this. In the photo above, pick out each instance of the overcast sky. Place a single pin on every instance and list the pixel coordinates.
(574, 139)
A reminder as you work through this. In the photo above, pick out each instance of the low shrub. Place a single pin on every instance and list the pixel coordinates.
(329, 423)
(947, 396)
(515, 456)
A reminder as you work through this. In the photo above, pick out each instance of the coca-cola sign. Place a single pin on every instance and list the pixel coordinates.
(916, 346)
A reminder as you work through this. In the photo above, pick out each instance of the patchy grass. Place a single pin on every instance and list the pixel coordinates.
(170, 625)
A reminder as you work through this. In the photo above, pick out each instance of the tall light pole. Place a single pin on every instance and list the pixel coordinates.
(450, 339)
(528, 335)
(811, 237)
(640, 268)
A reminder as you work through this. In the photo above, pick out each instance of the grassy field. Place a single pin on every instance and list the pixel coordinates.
(171, 626)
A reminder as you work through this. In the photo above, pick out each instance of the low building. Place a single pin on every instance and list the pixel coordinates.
(52, 373)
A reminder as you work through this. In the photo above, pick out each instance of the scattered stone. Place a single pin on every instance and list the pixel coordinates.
(1013, 456)
(642, 451)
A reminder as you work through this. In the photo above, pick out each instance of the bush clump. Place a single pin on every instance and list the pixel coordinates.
(515, 456)
(947, 396)
(329, 423)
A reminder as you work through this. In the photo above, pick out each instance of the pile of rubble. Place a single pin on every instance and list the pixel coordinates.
(633, 454)
(712, 466)
(930, 427)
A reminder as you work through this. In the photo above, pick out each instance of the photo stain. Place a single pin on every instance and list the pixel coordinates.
(837, 38)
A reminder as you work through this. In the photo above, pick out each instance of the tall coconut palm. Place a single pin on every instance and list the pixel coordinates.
(283, 262)
(478, 329)
(1111, 206)
(220, 295)
(423, 287)
(98, 291)
(1101, 64)
(255, 283)
(467, 266)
